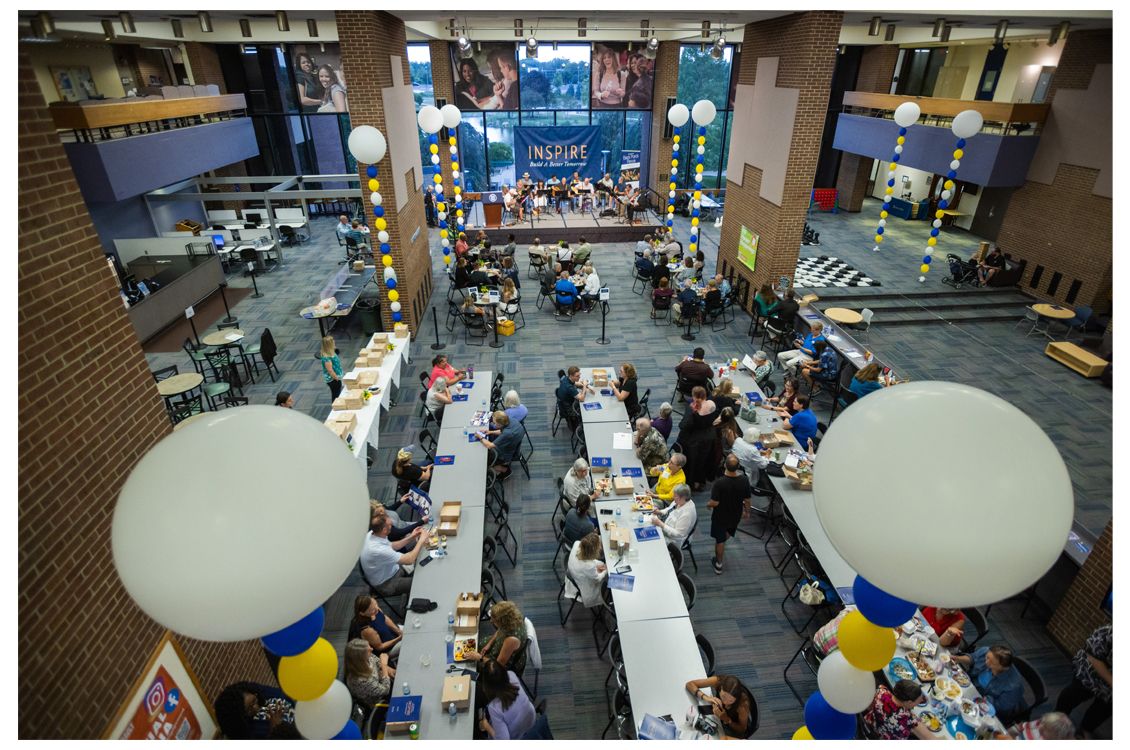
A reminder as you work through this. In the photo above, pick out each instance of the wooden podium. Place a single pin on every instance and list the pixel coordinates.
(492, 208)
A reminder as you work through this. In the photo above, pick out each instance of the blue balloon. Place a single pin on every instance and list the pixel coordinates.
(379, 211)
(896, 157)
(395, 319)
(391, 283)
(694, 213)
(375, 210)
(891, 182)
(295, 639)
(902, 131)
(943, 204)
(877, 605)
(825, 722)
(694, 238)
(678, 131)
(455, 157)
(961, 143)
(350, 730)
(385, 248)
(443, 225)
(371, 171)
(701, 130)
(879, 230)
(934, 232)
(455, 183)
(925, 260)
(951, 174)
(886, 206)
(670, 223)
(699, 161)
(432, 138)
(670, 201)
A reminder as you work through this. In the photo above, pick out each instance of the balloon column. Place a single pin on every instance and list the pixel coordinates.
(368, 146)
(1033, 496)
(168, 511)
(431, 120)
(905, 115)
(702, 113)
(965, 125)
(678, 116)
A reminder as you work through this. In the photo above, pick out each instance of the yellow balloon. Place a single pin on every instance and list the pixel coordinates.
(443, 233)
(433, 148)
(949, 185)
(698, 195)
(925, 268)
(373, 185)
(387, 260)
(441, 207)
(457, 190)
(451, 140)
(670, 209)
(674, 162)
(675, 139)
(882, 214)
(878, 238)
(447, 259)
(893, 166)
(932, 241)
(381, 224)
(958, 154)
(693, 247)
(309, 675)
(454, 165)
(939, 215)
(702, 140)
(394, 295)
(890, 190)
(698, 167)
(694, 222)
(672, 186)
(864, 644)
(437, 179)
(458, 212)
(803, 734)
(901, 140)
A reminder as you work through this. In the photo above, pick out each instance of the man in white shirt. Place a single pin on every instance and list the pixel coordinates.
(677, 519)
(382, 560)
(607, 184)
(343, 229)
(751, 459)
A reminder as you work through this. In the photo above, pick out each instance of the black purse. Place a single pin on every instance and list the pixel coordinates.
(422, 605)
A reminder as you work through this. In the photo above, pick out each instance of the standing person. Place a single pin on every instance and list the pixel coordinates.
(367, 674)
(803, 351)
(729, 499)
(331, 366)
(333, 96)
(430, 206)
(509, 712)
(309, 88)
(1094, 677)
(677, 519)
(697, 437)
(440, 368)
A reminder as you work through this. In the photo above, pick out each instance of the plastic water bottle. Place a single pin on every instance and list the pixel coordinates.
(451, 710)
(451, 619)
(406, 690)
(617, 511)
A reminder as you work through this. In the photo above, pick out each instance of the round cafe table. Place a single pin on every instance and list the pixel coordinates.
(840, 315)
(179, 384)
(219, 338)
(1054, 311)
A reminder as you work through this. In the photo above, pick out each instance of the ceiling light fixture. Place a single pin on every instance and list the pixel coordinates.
(531, 47)
(282, 20)
(245, 27)
(555, 46)
(451, 26)
(945, 37)
(873, 29)
(108, 30)
(518, 27)
(582, 27)
(178, 29)
(242, 49)
(322, 47)
(312, 27)
(205, 21)
(652, 48)
(706, 29)
(939, 24)
(47, 23)
(719, 48)
(890, 37)
(127, 22)
(464, 46)
(1001, 30)
(644, 26)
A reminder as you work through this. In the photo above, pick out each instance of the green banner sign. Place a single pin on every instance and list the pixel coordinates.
(747, 249)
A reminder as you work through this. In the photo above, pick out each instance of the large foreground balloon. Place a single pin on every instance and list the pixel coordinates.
(943, 455)
(326, 715)
(430, 119)
(678, 115)
(703, 112)
(451, 115)
(967, 124)
(906, 114)
(847, 689)
(236, 493)
(367, 144)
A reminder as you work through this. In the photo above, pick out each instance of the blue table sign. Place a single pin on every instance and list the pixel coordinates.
(602, 462)
(631, 471)
(459, 397)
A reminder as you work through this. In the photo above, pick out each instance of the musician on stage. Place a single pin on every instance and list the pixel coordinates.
(620, 193)
(509, 199)
(586, 191)
(540, 199)
(605, 188)
(554, 185)
(574, 191)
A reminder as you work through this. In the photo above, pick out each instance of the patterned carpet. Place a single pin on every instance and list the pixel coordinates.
(740, 611)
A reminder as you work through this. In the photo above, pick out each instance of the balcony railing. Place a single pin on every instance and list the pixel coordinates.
(1003, 118)
(92, 120)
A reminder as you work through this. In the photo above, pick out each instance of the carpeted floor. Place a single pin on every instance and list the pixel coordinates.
(207, 314)
(739, 611)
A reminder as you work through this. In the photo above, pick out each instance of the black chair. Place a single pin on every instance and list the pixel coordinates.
(490, 595)
(429, 417)
(811, 573)
(490, 552)
(644, 409)
(687, 544)
(562, 545)
(843, 400)
(777, 337)
(661, 310)
(545, 290)
(287, 235)
(198, 356)
(183, 409)
(688, 315)
(684, 386)
(473, 321)
(373, 592)
(267, 350)
(689, 589)
(621, 717)
(563, 504)
(537, 266)
(571, 415)
(503, 530)
(714, 314)
(641, 278)
(1035, 685)
(707, 653)
(453, 314)
(766, 514)
(235, 401)
(564, 310)
(974, 617)
(164, 372)
(676, 556)
(812, 659)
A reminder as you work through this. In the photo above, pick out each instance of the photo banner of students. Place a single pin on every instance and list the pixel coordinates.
(630, 167)
(488, 79)
(559, 150)
(319, 79)
(620, 79)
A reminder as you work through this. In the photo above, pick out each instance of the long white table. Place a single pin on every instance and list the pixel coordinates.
(598, 440)
(369, 415)
(656, 593)
(459, 413)
(660, 679)
(456, 481)
(427, 682)
(611, 409)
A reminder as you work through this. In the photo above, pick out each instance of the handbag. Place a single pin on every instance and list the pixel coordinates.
(748, 413)
(811, 594)
(422, 605)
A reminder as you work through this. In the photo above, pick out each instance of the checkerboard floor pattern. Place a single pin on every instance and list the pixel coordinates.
(825, 271)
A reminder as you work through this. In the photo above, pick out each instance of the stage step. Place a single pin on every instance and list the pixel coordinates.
(931, 308)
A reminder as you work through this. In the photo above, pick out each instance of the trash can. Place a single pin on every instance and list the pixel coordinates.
(370, 311)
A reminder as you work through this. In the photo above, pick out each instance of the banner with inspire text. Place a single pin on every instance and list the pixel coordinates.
(557, 151)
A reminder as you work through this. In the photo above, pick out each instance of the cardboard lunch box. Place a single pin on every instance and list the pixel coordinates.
(359, 265)
(352, 399)
(457, 690)
(450, 511)
(347, 418)
(623, 486)
(467, 624)
(367, 379)
(802, 481)
(470, 603)
(379, 338)
(341, 429)
(616, 534)
(400, 331)
(600, 377)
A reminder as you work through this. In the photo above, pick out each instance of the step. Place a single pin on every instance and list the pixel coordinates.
(829, 298)
(894, 305)
(923, 316)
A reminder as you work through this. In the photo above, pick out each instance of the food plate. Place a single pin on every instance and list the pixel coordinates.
(919, 624)
(642, 502)
(932, 721)
(946, 688)
(462, 646)
(957, 674)
(924, 645)
(959, 730)
(925, 672)
(901, 669)
(987, 709)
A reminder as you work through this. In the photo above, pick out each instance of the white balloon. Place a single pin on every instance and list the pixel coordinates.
(698, 176)
(898, 149)
(967, 124)
(453, 150)
(445, 242)
(696, 204)
(937, 223)
(435, 158)
(671, 194)
(847, 689)
(389, 273)
(225, 518)
(382, 236)
(439, 188)
(946, 195)
(1030, 495)
(367, 144)
(451, 115)
(325, 716)
(375, 198)
(701, 149)
(906, 114)
(430, 119)
(675, 147)
(455, 174)
(921, 278)
(955, 164)
(882, 222)
(674, 173)
(394, 306)
(703, 112)
(678, 115)
(443, 215)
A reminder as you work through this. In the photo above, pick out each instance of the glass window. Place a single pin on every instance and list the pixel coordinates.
(473, 153)
(611, 139)
(420, 67)
(500, 147)
(703, 77)
(572, 118)
(537, 119)
(555, 79)
(726, 145)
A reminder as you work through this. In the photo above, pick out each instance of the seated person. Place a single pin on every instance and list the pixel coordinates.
(752, 460)
(440, 367)
(578, 483)
(509, 712)
(506, 446)
(382, 560)
(687, 272)
(512, 405)
(462, 274)
(671, 248)
(890, 716)
(763, 368)
(824, 369)
(669, 476)
(568, 393)
(765, 302)
(663, 422)
(661, 296)
(538, 250)
(566, 291)
(367, 674)
(785, 405)
(734, 705)
(990, 668)
(661, 272)
(826, 639)
(988, 268)
(867, 380)
(510, 297)
(591, 292)
(651, 446)
(407, 473)
(510, 248)
(375, 628)
(712, 301)
(509, 636)
(694, 371)
(587, 569)
(947, 623)
(578, 525)
(400, 528)
(583, 252)
(726, 396)
(487, 253)
(699, 264)
(439, 396)
(687, 299)
(565, 255)
(461, 246)
(803, 423)
(677, 519)
(644, 246)
(357, 233)
(250, 711)
(1050, 726)
(784, 315)
(343, 228)
(470, 308)
(624, 389)
(804, 351)
(483, 276)
(723, 285)
(644, 267)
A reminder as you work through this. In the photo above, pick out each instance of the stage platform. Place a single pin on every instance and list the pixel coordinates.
(553, 227)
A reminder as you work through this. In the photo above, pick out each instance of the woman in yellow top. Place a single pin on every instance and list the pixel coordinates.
(670, 475)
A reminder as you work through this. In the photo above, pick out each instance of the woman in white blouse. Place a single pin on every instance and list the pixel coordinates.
(608, 81)
(591, 291)
(677, 519)
(587, 570)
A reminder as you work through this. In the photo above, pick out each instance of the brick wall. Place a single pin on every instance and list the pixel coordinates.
(205, 65)
(666, 76)
(855, 171)
(806, 45)
(1078, 614)
(876, 68)
(151, 62)
(367, 40)
(88, 410)
(1063, 226)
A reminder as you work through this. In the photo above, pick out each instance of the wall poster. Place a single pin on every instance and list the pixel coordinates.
(747, 249)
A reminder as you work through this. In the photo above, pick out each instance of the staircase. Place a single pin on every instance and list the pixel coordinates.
(986, 305)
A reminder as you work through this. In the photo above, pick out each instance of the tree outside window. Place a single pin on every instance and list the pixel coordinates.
(555, 79)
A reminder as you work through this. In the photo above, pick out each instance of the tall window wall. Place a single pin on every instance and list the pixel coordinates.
(703, 77)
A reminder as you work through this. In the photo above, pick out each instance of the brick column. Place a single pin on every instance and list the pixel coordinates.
(666, 79)
(876, 69)
(368, 41)
(204, 64)
(1078, 614)
(805, 44)
(88, 411)
(1065, 227)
